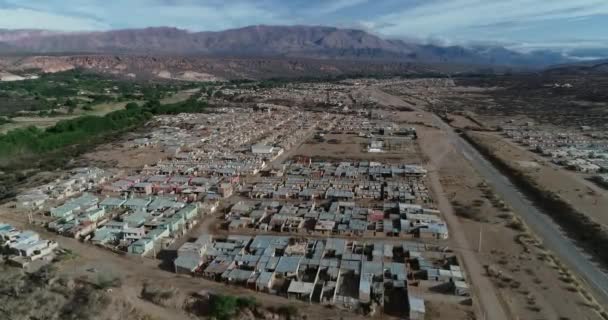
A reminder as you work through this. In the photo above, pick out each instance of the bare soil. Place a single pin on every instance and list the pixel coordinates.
(352, 147)
(572, 187)
(531, 284)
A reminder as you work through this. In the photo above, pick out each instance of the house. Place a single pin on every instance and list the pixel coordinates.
(300, 290)
(93, 216)
(119, 186)
(141, 246)
(137, 218)
(17, 238)
(164, 203)
(262, 149)
(189, 212)
(434, 231)
(31, 201)
(133, 233)
(365, 287)
(237, 276)
(587, 168)
(65, 210)
(375, 146)
(36, 249)
(103, 236)
(143, 188)
(288, 266)
(325, 226)
(461, 288)
(137, 204)
(265, 281)
(417, 308)
(189, 255)
(225, 189)
(110, 203)
(239, 223)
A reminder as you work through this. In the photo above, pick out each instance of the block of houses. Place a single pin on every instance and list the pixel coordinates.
(111, 203)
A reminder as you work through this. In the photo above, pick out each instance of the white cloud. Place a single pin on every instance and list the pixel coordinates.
(22, 18)
(442, 17)
(333, 6)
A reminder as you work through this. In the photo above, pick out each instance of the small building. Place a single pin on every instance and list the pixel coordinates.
(461, 288)
(262, 149)
(265, 281)
(300, 290)
(417, 308)
(225, 189)
(112, 203)
(141, 246)
(288, 266)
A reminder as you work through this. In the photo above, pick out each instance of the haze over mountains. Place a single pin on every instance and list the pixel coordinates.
(312, 42)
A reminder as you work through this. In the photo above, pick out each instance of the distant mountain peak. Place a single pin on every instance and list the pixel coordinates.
(318, 42)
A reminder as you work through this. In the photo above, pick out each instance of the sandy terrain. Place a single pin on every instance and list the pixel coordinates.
(583, 195)
(532, 286)
(120, 157)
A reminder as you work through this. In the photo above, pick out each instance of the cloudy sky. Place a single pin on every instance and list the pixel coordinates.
(523, 24)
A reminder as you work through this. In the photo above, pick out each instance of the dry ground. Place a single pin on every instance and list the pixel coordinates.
(120, 157)
(532, 286)
(572, 187)
(353, 147)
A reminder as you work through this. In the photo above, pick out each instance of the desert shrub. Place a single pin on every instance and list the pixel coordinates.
(246, 302)
(222, 307)
(289, 311)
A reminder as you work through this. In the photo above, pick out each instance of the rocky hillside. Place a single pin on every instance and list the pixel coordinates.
(210, 69)
(313, 42)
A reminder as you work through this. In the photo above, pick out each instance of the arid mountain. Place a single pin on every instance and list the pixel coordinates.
(206, 69)
(581, 68)
(314, 42)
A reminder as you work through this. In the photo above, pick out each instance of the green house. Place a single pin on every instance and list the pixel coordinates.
(189, 212)
(141, 246)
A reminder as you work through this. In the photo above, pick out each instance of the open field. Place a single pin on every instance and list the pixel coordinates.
(95, 110)
(48, 121)
(350, 146)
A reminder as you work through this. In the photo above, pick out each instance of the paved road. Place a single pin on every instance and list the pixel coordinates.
(553, 238)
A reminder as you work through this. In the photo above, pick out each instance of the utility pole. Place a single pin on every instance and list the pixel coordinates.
(480, 234)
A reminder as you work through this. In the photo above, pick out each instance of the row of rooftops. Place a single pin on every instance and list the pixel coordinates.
(24, 246)
(77, 181)
(331, 262)
(227, 136)
(345, 218)
(579, 151)
(343, 181)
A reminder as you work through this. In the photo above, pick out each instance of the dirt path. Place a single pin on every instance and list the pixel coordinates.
(489, 305)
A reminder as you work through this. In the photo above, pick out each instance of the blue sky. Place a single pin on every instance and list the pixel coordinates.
(519, 24)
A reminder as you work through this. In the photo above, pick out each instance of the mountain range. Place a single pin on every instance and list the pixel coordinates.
(310, 42)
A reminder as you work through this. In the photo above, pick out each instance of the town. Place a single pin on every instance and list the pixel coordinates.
(332, 195)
